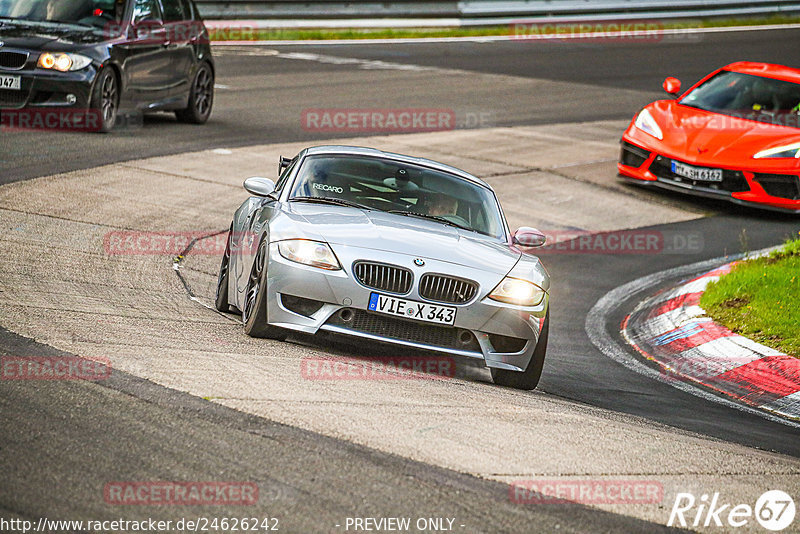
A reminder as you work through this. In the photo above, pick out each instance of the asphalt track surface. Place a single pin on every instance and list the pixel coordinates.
(267, 94)
(262, 103)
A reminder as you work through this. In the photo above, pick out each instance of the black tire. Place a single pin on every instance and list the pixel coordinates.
(221, 301)
(529, 378)
(201, 97)
(105, 99)
(254, 314)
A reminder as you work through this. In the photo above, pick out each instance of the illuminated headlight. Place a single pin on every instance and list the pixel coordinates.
(519, 292)
(786, 151)
(62, 61)
(313, 253)
(646, 123)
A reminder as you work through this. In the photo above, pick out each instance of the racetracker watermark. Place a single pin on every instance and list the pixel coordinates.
(759, 117)
(604, 31)
(405, 368)
(63, 120)
(406, 120)
(599, 491)
(181, 493)
(138, 243)
(621, 242)
(148, 33)
(54, 368)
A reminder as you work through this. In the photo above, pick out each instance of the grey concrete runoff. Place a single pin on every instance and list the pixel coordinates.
(64, 287)
(64, 441)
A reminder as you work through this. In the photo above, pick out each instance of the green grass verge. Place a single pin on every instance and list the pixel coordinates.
(760, 299)
(279, 34)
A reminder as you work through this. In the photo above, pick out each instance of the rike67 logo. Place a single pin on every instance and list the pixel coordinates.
(774, 510)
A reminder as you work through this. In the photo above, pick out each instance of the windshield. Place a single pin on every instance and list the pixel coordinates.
(401, 188)
(86, 12)
(748, 97)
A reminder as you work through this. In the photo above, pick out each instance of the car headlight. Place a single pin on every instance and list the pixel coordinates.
(786, 151)
(62, 61)
(517, 291)
(646, 123)
(313, 253)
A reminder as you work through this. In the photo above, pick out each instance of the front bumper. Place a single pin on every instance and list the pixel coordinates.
(762, 188)
(42, 88)
(482, 328)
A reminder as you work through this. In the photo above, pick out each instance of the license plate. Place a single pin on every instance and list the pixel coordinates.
(697, 173)
(411, 309)
(10, 82)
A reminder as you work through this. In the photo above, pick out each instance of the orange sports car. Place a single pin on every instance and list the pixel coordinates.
(734, 135)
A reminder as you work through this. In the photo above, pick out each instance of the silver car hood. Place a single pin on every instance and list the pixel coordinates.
(419, 238)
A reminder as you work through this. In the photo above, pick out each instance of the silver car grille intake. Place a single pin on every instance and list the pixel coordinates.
(389, 278)
(443, 288)
(403, 330)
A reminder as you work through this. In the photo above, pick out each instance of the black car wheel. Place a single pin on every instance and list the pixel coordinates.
(105, 99)
(529, 378)
(254, 314)
(201, 97)
(221, 301)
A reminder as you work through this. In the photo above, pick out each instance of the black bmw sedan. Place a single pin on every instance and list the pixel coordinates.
(106, 56)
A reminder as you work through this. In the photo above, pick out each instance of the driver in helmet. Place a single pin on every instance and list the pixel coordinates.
(439, 204)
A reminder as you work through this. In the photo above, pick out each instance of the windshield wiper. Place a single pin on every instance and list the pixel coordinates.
(330, 200)
(70, 23)
(431, 218)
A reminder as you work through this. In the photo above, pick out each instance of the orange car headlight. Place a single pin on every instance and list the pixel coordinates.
(62, 61)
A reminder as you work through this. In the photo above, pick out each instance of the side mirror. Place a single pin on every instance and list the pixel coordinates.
(528, 237)
(672, 86)
(283, 163)
(258, 186)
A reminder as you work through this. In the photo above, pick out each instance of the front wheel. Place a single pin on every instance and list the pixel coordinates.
(201, 97)
(105, 99)
(529, 378)
(254, 314)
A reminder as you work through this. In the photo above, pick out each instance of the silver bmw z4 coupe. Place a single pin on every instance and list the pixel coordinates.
(388, 249)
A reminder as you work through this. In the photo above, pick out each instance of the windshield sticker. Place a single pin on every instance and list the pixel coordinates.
(326, 187)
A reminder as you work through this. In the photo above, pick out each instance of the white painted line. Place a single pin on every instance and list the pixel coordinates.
(493, 38)
(788, 405)
(730, 351)
(741, 344)
(367, 64)
(597, 318)
(673, 319)
(712, 359)
(696, 286)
